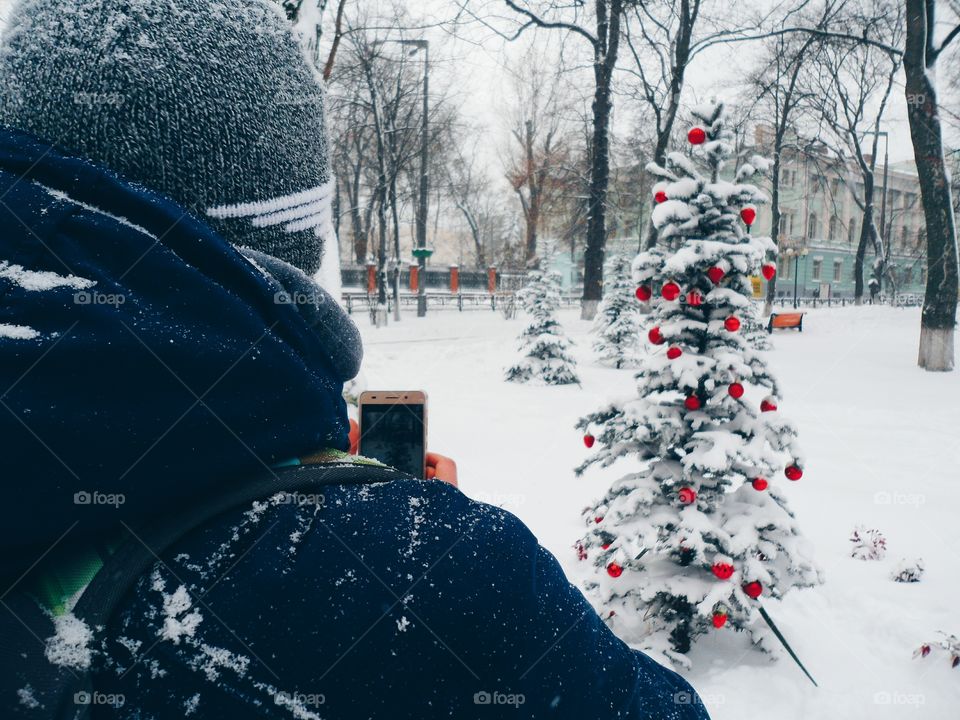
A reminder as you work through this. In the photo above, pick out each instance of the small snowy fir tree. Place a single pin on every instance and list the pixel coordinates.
(617, 326)
(908, 571)
(545, 347)
(691, 541)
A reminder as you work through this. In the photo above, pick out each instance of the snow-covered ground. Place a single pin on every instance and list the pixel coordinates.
(882, 440)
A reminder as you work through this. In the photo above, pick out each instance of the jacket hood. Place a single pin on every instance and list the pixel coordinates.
(143, 359)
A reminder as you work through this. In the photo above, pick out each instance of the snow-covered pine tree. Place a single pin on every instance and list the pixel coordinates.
(543, 343)
(690, 542)
(617, 325)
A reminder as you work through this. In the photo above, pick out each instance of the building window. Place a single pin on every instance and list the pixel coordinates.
(812, 226)
(817, 268)
(838, 270)
(904, 236)
(834, 228)
(786, 273)
(852, 233)
(835, 187)
(923, 275)
(908, 276)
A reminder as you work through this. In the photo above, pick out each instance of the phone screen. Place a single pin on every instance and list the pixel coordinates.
(394, 435)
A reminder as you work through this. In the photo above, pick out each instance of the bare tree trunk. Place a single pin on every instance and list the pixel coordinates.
(605, 58)
(775, 228)
(866, 238)
(940, 301)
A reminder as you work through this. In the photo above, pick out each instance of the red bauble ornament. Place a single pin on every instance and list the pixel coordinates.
(687, 495)
(614, 570)
(605, 546)
(670, 291)
(719, 620)
(589, 440)
(753, 589)
(732, 323)
(655, 336)
(644, 293)
(581, 552)
(748, 215)
(660, 197)
(674, 352)
(793, 472)
(722, 570)
(924, 650)
(694, 298)
(735, 390)
(697, 136)
(598, 519)
(768, 270)
(716, 274)
(768, 405)
(759, 483)
(692, 402)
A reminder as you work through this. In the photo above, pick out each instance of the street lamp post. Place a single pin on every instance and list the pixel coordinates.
(420, 252)
(796, 254)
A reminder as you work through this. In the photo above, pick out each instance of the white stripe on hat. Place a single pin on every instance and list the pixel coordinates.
(261, 208)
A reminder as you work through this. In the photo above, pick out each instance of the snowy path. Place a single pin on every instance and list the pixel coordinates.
(882, 441)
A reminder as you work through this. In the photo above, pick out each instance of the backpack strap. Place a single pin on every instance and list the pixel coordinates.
(36, 689)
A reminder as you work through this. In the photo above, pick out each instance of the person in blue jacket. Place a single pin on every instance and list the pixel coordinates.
(165, 194)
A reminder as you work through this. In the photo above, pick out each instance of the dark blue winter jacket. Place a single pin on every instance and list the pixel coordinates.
(179, 373)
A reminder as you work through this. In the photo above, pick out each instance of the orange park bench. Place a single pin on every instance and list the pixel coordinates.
(786, 320)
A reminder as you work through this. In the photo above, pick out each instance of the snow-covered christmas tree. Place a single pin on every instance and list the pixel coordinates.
(617, 325)
(691, 542)
(544, 345)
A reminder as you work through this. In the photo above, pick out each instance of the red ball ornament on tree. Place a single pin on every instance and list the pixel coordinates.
(605, 546)
(722, 570)
(793, 472)
(655, 336)
(589, 440)
(670, 291)
(598, 519)
(692, 402)
(732, 323)
(694, 298)
(697, 136)
(759, 484)
(674, 352)
(687, 495)
(748, 215)
(715, 274)
(644, 293)
(768, 404)
(753, 589)
(614, 570)
(660, 197)
(719, 620)
(735, 390)
(768, 270)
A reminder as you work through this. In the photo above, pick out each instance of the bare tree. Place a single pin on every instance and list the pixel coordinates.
(940, 301)
(538, 145)
(852, 84)
(600, 25)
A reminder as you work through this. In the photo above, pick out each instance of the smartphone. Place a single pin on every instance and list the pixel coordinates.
(393, 429)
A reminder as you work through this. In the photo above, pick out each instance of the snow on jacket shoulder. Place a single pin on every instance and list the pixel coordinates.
(400, 600)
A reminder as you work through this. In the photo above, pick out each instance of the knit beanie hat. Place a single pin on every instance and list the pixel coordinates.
(210, 102)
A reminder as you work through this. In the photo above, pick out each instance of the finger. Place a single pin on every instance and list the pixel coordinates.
(354, 437)
(431, 472)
